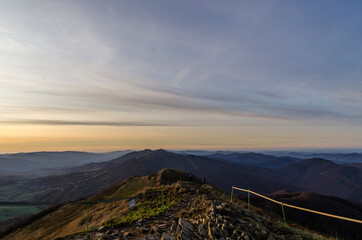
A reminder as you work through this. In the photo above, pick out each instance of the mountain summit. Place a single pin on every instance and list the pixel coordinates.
(183, 210)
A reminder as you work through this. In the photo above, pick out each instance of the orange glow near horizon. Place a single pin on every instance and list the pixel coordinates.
(102, 76)
(100, 139)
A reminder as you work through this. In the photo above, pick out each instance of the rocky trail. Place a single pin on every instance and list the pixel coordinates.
(203, 212)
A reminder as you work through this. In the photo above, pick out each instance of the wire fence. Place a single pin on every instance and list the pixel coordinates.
(291, 206)
(132, 199)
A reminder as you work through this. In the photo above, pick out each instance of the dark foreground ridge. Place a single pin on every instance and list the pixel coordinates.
(184, 210)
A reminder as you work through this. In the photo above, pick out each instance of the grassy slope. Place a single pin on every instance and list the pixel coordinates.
(71, 219)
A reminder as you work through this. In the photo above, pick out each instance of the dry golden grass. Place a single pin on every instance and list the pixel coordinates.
(73, 218)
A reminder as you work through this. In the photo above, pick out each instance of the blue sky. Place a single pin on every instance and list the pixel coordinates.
(289, 71)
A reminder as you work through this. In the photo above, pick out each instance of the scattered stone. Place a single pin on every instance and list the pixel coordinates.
(201, 230)
(139, 222)
(166, 236)
(179, 229)
(162, 226)
(101, 228)
(151, 237)
(155, 229)
(144, 229)
(206, 218)
(186, 229)
(210, 232)
(173, 226)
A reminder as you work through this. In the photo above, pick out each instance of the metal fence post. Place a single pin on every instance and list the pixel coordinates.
(232, 190)
(285, 222)
(87, 216)
(249, 199)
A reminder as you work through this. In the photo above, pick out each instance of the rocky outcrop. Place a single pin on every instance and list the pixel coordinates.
(202, 214)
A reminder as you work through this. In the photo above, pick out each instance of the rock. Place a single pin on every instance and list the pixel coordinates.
(173, 226)
(179, 229)
(166, 236)
(201, 230)
(210, 232)
(224, 230)
(162, 226)
(186, 229)
(100, 236)
(139, 222)
(245, 236)
(257, 219)
(101, 228)
(212, 210)
(185, 224)
(154, 229)
(219, 207)
(144, 229)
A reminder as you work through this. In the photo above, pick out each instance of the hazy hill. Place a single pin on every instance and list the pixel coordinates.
(191, 210)
(255, 159)
(325, 177)
(102, 175)
(316, 175)
(340, 158)
(26, 162)
(79, 184)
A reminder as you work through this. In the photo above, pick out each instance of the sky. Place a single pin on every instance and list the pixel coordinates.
(108, 75)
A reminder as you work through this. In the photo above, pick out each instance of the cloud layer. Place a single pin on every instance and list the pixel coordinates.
(186, 63)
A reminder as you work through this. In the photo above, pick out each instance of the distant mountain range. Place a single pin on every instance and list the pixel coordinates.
(39, 161)
(49, 163)
(341, 158)
(96, 177)
(255, 159)
(316, 175)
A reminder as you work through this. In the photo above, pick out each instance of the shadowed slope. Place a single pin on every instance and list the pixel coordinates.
(325, 177)
(328, 204)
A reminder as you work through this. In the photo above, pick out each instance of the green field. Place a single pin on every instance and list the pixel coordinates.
(15, 193)
(7, 212)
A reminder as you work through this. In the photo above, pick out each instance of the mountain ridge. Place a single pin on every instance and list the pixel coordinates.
(189, 210)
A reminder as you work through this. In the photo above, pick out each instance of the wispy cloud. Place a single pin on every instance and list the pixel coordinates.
(180, 64)
(79, 123)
